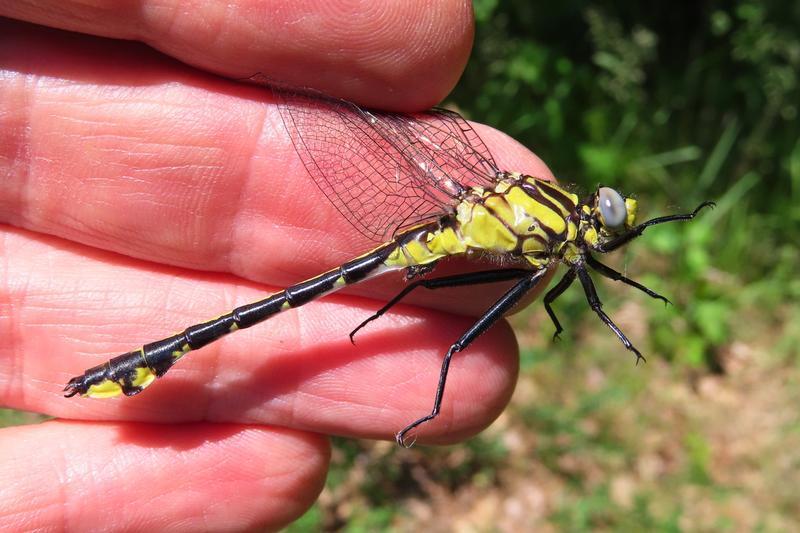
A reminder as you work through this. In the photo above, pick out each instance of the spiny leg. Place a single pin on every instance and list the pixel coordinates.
(495, 313)
(597, 307)
(609, 272)
(457, 280)
(631, 234)
(554, 293)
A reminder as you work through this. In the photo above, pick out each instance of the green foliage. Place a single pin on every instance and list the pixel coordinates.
(12, 417)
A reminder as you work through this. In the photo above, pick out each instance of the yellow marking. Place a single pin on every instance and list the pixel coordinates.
(415, 252)
(590, 236)
(573, 197)
(483, 230)
(517, 219)
(502, 187)
(105, 389)
(396, 259)
(537, 230)
(571, 254)
(446, 242)
(144, 377)
(233, 327)
(286, 305)
(340, 282)
(177, 354)
(533, 245)
(572, 231)
(419, 254)
(631, 206)
(517, 197)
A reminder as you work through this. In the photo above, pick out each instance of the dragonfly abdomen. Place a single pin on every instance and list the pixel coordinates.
(130, 373)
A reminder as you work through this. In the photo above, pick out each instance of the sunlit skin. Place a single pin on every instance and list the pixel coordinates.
(140, 195)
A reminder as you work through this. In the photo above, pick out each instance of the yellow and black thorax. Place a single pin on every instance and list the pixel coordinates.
(520, 217)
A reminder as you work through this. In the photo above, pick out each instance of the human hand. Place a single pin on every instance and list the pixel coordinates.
(140, 196)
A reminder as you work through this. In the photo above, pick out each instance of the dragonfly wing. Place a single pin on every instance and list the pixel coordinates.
(444, 145)
(361, 170)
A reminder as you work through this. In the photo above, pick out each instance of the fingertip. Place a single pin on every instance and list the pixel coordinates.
(306, 457)
(401, 56)
(396, 56)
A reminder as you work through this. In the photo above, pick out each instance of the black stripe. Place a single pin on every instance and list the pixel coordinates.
(534, 193)
(358, 269)
(537, 195)
(502, 197)
(562, 198)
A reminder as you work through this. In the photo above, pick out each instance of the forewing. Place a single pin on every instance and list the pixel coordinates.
(361, 170)
(443, 145)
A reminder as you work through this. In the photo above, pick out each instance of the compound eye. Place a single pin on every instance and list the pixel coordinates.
(612, 207)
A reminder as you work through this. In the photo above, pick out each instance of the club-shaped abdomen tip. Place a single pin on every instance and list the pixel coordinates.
(75, 386)
(96, 382)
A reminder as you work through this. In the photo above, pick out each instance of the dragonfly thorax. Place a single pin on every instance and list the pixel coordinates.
(520, 216)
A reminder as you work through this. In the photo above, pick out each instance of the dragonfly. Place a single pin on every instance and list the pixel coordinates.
(425, 187)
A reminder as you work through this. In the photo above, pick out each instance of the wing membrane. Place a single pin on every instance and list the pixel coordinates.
(384, 171)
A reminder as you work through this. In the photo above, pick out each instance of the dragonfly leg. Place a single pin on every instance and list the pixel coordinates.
(554, 293)
(634, 232)
(457, 280)
(495, 313)
(609, 272)
(597, 307)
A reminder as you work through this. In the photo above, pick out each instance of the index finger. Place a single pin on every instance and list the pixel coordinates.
(393, 55)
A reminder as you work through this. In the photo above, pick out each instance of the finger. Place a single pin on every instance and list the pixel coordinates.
(398, 55)
(297, 370)
(189, 477)
(196, 173)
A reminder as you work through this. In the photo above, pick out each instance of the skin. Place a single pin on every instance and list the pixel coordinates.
(140, 195)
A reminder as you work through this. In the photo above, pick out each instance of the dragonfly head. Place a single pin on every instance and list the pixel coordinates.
(608, 213)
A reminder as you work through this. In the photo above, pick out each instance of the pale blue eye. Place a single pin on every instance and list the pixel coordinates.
(612, 207)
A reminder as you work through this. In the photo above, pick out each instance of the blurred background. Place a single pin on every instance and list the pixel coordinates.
(673, 103)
